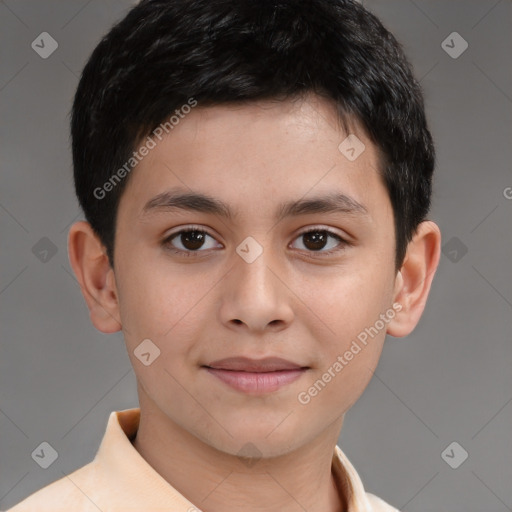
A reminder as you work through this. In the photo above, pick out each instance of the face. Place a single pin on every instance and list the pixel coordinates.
(269, 293)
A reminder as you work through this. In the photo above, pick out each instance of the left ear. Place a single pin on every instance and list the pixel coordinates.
(413, 281)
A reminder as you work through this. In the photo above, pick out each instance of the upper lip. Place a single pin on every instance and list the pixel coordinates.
(246, 364)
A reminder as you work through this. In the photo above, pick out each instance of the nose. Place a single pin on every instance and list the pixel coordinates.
(255, 296)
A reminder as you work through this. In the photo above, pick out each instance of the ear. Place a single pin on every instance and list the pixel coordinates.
(412, 283)
(89, 261)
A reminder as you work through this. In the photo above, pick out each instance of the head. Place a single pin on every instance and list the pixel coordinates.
(230, 119)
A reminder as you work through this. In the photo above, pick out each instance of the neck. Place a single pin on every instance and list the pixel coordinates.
(217, 481)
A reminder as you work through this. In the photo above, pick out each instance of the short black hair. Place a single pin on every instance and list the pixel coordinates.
(166, 53)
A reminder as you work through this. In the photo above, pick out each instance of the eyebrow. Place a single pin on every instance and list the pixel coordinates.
(197, 202)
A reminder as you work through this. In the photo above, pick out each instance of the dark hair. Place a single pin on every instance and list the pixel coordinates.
(165, 52)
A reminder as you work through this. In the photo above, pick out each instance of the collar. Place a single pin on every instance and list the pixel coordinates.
(131, 475)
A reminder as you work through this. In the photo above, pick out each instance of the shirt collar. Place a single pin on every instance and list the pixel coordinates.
(131, 475)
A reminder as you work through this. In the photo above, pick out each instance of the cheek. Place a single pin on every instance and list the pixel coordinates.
(346, 369)
(156, 303)
(160, 306)
(351, 306)
(348, 379)
(350, 302)
(360, 319)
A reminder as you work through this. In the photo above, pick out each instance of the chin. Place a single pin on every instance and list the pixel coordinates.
(254, 439)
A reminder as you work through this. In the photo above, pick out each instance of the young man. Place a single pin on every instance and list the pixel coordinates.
(256, 178)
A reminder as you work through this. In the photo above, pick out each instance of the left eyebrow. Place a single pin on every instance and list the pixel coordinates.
(331, 203)
(197, 202)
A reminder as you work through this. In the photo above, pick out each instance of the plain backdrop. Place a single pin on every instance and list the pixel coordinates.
(450, 381)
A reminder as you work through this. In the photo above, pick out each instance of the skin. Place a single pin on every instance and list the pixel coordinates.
(291, 302)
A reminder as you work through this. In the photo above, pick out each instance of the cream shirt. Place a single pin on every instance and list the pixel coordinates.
(120, 480)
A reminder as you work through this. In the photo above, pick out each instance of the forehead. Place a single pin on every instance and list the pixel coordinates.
(253, 154)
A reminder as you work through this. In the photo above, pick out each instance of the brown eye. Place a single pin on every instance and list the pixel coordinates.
(316, 240)
(189, 240)
(192, 240)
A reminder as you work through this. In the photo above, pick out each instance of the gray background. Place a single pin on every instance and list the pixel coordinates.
(451, 380)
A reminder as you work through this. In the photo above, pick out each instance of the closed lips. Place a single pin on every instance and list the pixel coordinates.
(244, 364)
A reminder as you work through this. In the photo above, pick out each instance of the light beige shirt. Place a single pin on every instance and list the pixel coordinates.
(120, 480)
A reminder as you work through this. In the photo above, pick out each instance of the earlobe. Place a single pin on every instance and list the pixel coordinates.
(413, 281)
(96, 277)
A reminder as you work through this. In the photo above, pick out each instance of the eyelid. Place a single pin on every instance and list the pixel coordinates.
(321, 227)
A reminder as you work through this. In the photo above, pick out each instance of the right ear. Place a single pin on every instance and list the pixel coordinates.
(88, 258)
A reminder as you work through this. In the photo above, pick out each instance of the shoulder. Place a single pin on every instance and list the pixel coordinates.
(71, 492)
(379, 505)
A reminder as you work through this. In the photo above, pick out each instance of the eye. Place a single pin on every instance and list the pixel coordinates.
(317, 239)
(193, 240)
(189, 240)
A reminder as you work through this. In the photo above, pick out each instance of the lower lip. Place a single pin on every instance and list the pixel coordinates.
(253, 382)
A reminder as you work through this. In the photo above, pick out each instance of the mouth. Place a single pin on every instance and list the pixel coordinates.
(256, 376)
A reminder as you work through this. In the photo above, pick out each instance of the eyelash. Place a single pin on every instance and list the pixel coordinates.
(187, 254)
